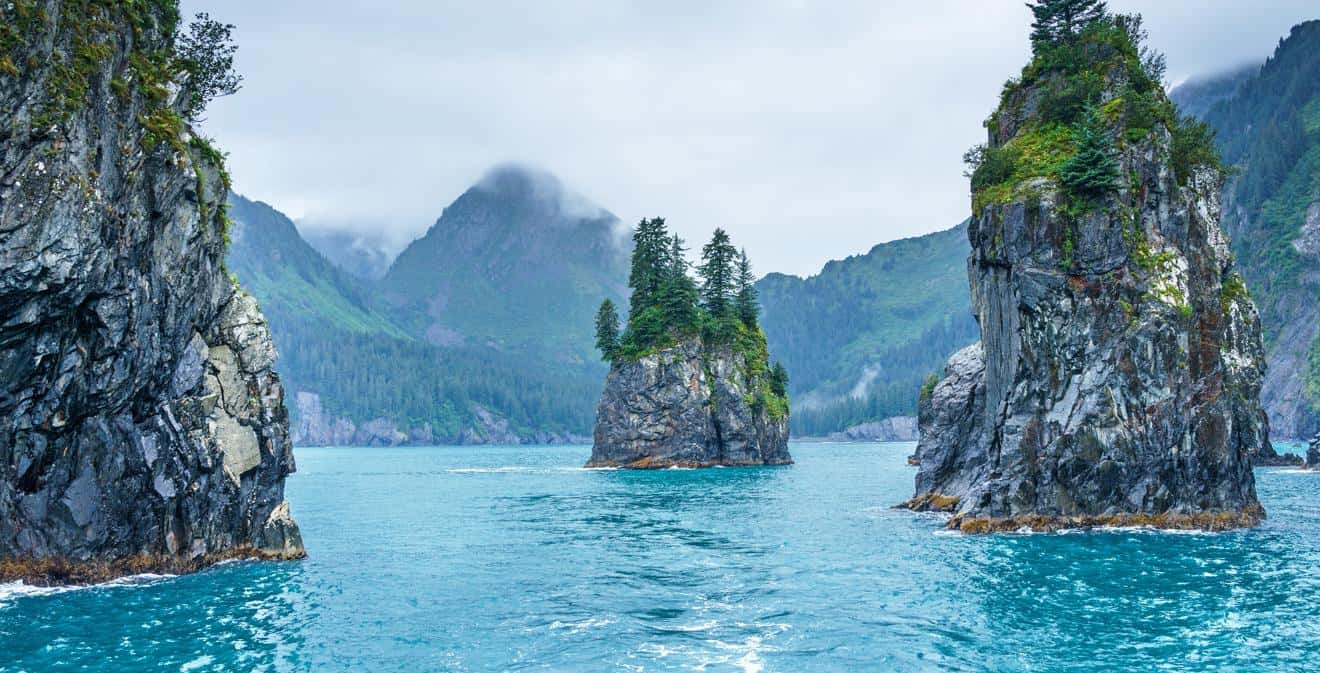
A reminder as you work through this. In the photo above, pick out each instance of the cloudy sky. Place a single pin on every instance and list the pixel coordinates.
(809, 130)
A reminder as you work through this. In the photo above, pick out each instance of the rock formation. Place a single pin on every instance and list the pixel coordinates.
(687, 406)
(892, 429)
(1313, 453)
(1117, 380)
(142, 426)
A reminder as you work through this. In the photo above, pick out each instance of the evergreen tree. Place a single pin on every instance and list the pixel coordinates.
(650, 252)
(779, 380)
(717, 274)
(1057, 20)
(607, 330)
(678, 292)
(745, 302)
(1093, 171)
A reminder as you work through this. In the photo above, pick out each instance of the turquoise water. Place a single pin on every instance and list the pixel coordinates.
(495, 559)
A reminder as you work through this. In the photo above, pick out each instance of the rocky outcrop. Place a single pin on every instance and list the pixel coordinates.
(1118, 377)
(892, 429)
(142, 426)
(1313, 453)
(687, 406)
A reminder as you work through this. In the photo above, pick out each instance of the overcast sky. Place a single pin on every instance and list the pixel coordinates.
(809, 130)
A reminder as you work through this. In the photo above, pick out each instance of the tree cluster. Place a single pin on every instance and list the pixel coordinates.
(1056, 21)
(668, 304)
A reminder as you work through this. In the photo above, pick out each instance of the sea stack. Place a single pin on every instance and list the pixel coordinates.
(1117, 380)
(142, 427)
(690, 381)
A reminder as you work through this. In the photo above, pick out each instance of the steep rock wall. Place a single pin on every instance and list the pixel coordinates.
(142, 426)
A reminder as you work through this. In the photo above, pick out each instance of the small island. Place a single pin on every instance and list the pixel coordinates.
(1117, 381)
(690, 381)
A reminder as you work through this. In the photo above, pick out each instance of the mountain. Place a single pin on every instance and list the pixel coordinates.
(860, 337)
(518, 263)
(356, 375)
(1197, 95)
(1269, 128)
(363, 256)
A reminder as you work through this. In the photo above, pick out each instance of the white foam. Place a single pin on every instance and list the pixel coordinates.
(579, 627)
(196, 663)
(10, 591)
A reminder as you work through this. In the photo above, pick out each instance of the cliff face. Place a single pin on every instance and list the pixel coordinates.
(141, 423)
(687, 406)
(1118, 377)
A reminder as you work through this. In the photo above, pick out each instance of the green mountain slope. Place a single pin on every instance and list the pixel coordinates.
(860, 337)
(369, 372)
(1269, 128)
(518, 263)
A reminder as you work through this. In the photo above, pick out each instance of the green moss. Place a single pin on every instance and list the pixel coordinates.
(1233, 291)
(1037, 151)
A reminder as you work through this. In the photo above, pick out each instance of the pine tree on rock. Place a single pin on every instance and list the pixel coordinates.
(1058, 20)
(607, 330)
(717, 274)
(1093, 171)
(746, 301)
(650, 250)
(678, 292)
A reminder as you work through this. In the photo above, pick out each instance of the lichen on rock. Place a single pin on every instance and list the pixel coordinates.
(1117, 381)
(142, 426)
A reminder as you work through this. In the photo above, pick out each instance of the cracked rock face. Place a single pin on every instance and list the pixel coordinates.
(685, 406)
(1117, 381)
(141, 423)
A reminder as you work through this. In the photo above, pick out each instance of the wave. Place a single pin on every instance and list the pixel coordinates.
(12, 591)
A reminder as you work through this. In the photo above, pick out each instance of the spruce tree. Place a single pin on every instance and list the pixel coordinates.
(1058, 20)
(779, 380)
(607, 330)
(717, 273)
(745, 301)
(650, 251)
(1093, 171)
(678, 292)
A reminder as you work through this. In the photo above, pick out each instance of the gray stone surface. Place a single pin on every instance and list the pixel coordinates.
(118, 325)
(1116, 381)
(685, 406)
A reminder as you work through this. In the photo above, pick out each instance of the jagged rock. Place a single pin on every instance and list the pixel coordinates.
(892, 429)
(1313, 453)
(142, 426)
(686, 406)
(1118, 377)
(315, 427)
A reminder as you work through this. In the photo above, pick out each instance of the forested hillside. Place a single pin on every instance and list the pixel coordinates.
(1268, 127)
(860, 337)
(335, 341)
(517, 262)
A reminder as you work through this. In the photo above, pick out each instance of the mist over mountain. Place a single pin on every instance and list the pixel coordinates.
(362, 255)
(355, 375)
(519, 263)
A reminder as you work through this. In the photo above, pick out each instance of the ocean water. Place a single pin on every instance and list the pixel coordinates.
(515, 559)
